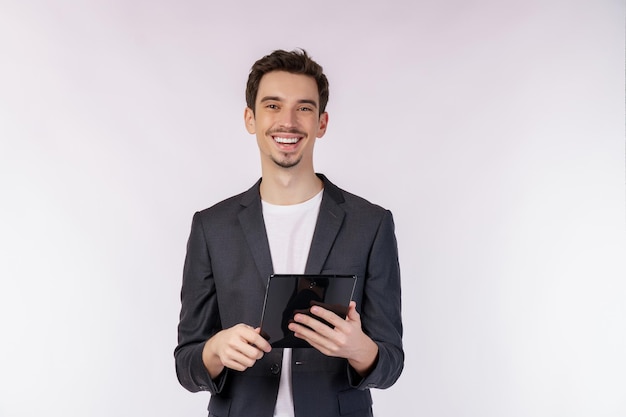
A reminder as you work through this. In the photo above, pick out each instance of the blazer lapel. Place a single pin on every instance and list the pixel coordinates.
(253, 226)
(328, 224)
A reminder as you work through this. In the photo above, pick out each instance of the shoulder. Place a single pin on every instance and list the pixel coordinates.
(223, 207)
(232, 206)
(350, 202)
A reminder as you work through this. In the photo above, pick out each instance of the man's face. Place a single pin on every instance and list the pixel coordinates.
(286, 120)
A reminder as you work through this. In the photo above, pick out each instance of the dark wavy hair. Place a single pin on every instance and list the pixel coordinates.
(295, 62)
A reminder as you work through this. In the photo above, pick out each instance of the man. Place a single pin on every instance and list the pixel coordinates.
(291, 221)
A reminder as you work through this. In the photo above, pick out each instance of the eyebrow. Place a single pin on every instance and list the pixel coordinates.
(301, 101)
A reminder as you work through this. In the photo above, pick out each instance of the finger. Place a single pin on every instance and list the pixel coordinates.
(352, 313)
(308, 333)
(251, 336)
(314, 324)
(314, 331)
(252, 344)
(244, 352)
(249, 351)
(244, 340)
(320, 342)
(327, 315)
(261, 342)
(238, 361)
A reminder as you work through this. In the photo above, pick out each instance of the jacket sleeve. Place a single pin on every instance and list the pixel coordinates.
(199, 315)
(381, 309)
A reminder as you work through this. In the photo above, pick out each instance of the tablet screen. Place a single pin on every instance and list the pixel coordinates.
(287, 295)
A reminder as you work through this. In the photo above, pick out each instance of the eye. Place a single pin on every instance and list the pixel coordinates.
(271, 106)
(305, 108)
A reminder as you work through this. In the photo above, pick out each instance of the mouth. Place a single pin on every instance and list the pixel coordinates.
(287, 144)
(291, 140)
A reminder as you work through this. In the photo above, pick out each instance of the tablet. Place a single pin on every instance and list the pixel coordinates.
(287, 295)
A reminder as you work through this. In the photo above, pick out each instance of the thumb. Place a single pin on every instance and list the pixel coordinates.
(352, 313)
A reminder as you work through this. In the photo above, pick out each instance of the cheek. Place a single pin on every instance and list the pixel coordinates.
(263, 125)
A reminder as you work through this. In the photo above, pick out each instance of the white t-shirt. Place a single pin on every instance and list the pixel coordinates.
(289, 232)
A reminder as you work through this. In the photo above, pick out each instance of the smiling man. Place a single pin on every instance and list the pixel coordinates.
(287, 119)
(292, 221)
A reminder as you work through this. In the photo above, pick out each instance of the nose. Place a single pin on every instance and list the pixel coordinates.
(288, 118)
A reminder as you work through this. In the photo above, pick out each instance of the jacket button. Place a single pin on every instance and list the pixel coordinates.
(275, 369)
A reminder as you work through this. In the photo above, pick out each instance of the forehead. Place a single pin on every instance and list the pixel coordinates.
(286, 85)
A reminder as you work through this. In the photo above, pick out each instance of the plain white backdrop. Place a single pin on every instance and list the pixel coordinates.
(493, 130)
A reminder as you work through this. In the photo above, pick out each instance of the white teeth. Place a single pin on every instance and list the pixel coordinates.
(286, 140)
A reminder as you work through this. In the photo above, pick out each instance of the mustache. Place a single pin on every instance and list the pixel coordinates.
(291, 131)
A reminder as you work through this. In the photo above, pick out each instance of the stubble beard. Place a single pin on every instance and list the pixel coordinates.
(287, 163)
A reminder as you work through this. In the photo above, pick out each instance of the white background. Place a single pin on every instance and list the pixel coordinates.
(494, 131)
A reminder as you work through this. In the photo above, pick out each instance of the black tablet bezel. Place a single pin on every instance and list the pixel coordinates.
(286, 293)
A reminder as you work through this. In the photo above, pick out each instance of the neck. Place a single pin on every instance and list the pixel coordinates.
(284, 188)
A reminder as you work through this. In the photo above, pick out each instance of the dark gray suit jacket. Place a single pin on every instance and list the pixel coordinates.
(226, 270)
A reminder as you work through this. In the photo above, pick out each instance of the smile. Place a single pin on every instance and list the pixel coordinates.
(285, 141)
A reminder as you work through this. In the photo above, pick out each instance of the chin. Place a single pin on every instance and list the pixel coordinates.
(287, 164)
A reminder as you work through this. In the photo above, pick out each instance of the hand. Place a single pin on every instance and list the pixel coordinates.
(238, 348)
(345, 340)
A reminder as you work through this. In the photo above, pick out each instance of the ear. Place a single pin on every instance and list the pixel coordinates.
(248, 118)
(323, 123)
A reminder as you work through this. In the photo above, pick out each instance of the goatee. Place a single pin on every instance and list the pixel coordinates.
(287, 163)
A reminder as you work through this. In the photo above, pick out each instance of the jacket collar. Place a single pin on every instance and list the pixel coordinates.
(329, 222)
